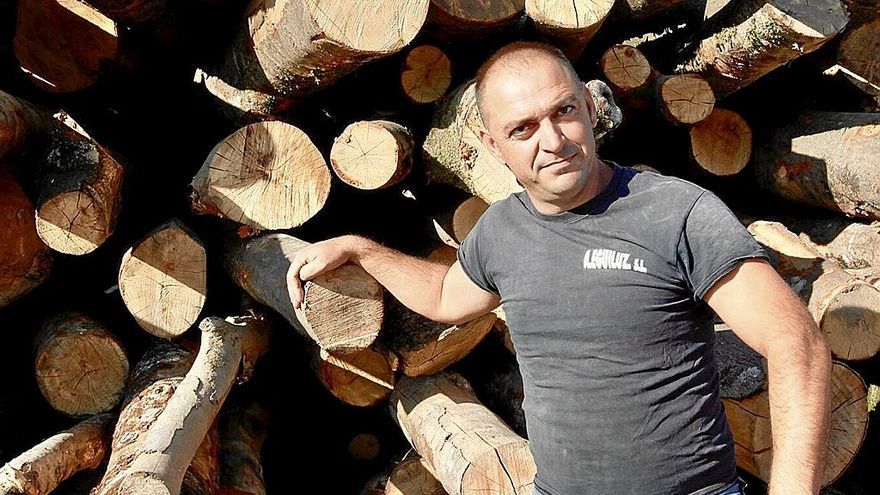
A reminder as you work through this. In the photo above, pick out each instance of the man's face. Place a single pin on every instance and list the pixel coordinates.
(540, 123)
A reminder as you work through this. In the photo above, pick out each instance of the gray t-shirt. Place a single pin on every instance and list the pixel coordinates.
(615, 345)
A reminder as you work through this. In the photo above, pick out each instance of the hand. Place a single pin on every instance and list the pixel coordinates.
(313, 260)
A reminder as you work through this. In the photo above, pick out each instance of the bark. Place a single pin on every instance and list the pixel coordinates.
(569, 24)
(342, 310)
(268, 175)
(81, 368)
(64, 45)
(468, 447)
(41, 469)
(721, 144)
(25, 262)
(162, 280)
(426, 74)
(243, 430)
(825, 159)
(372, 154)
(777, 33)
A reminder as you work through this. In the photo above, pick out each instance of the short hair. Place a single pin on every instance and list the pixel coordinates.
(516, 55)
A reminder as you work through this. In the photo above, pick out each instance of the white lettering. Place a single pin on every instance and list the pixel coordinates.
(604, 259)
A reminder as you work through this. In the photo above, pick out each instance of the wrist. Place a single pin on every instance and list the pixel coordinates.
(357, 247)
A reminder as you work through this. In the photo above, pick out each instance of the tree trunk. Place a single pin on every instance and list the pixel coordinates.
(150, 389)
(364, 378)
(846, 308)
(825, 159)
(268, 175)
(426, 74)
(749, 420)
(25, 262)
(63, 45)
(243, 430)
(569, 24)
(342, 310)
(80, 191)
(453, 19)
(468, 447)
(722, 143)
(775, 34)
(162, 280)
(229, 347)
(372, 154)
(42, 468)
(81, 368)
(20, 123)
(413, 476)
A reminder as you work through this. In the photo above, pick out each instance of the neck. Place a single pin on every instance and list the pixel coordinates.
(598, 179)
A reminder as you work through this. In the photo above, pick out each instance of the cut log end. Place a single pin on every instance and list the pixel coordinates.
(413, 476)
(466, 215)
(363, 26)
(722, 143)
(162, 281)
(851, 323)
(73, 223)
(361, 379)
(364, 447)
(447, 348)
(570, 24)
(268, 175)
(625, 67)
(426, 75)
(479, 12)
(372, 154)
(686, 98)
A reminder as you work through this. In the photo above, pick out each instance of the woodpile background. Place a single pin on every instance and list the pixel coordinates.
(160, 161)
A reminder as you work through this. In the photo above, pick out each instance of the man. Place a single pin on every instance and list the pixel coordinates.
(607, 277)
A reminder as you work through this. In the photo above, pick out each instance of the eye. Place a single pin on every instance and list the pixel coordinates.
(519, 131)
(567, 109)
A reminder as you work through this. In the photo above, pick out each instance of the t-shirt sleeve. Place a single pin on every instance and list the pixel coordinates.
(471, 256)
(712, 243)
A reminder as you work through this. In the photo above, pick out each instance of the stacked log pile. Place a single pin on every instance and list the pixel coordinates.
(161, 162)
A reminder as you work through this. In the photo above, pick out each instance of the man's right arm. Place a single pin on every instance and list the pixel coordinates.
(434, 290)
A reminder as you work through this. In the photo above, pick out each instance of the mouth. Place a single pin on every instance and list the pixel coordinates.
(561, 161)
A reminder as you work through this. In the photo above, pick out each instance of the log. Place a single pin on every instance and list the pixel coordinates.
(342, 310)
(569, 24)
(852, 244)
(372, 154)
(684, 98)
(229, 348)
(268, 175)
(626, 69)
(363, 379)
(81, 368)
(64, 45)
(292, 49)
(825, 159)
(243, 430)
(364, 447)
(42, 468)
(468, 447)
(132, 12)
(454, 19)
(454, 154)
(776, 33)
(445, 254)
(721, 144)
(749, 422)
(426, 74)
(79, 191)
(452, 226)
(634, 10)
(857, 56)
(845, 307)
(425, 346)
(162, 280)
(25, 262)
(413, 476)
(153, 382)
(20, 123)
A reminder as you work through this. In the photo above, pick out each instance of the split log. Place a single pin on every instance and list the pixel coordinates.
(364, 378)
(749, 421)
(287, 50)
(372, 154)
(845, 307)
(229, 347)
(25, 262)
(721, 144)
(20, 123)
(64, 45)
(41, 469)
(268, 175)
(342, 310)
(162, 280)
(854, 245)
(452, 19)
(825, 159)
(453, 226)
(455, 155)
(857, 56)
(364, 447)
(413, 476)
(778, 32)
(243, 430)
(426, 74)
(468, 447)
(151, 387)
(425, 346)
(569, 24)
(79, 192)
(81, 368)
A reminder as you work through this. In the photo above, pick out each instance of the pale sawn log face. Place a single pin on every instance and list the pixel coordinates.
(372, 154)
(352, 378)
(426, 74)
(721, 144)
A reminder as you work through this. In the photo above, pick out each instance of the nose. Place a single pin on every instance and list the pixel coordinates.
(552, 139)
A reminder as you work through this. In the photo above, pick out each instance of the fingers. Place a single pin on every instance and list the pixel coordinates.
(294, 282)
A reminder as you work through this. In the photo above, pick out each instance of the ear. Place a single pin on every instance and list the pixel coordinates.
(490, 143)
(591, 106)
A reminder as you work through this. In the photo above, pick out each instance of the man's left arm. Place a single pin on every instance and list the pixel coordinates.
(763, 311)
